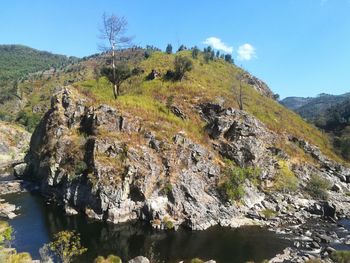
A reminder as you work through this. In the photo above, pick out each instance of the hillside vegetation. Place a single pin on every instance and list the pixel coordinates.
(330, 113)
(310, 108)
(17, 62)
(213, 81)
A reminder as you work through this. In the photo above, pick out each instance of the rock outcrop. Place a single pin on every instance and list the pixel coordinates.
(258, 85)
(85, 157)
(103, 162)
(14, 142)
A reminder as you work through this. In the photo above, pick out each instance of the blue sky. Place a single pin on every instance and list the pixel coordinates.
(299, 47)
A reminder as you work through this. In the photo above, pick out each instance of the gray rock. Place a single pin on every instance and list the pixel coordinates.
(178, 112)
(19, 169)
(139, 259)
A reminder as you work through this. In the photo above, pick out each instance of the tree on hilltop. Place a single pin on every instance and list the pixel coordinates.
(113, 32)
(169, 49)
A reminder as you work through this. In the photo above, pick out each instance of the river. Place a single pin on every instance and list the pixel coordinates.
(38, 221)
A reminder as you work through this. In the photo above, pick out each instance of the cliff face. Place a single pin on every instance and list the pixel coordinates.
(14, 142)
(103, 162)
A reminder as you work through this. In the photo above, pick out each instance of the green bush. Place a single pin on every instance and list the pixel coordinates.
(168, 223)
(80, 167)
(285, 180)
(232, 184)
(5, 233)
(182, 65)
(317, 187)
(167, 188)
(268, 213)
(197, 260)
(109, 259)
(341, 256)
(28, 119)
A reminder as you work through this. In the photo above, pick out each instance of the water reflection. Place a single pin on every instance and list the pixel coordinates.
(133, 239)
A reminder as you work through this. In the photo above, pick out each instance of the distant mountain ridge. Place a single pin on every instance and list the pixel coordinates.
(310, 108)
(330, 113)
(17, 61)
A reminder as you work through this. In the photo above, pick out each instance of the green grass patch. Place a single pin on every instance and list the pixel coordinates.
(317, 187)
(232, 183)
(341, 256)
(285, 181)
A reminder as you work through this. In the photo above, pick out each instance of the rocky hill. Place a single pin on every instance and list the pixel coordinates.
(176, 152)
(106, 162)
(197, 161)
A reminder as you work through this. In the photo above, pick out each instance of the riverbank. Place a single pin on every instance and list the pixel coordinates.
(128, 240)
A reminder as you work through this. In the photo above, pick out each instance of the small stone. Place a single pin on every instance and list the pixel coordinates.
(139, 259)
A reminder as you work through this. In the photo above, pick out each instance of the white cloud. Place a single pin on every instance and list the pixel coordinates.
(216, 43)
(246, 52)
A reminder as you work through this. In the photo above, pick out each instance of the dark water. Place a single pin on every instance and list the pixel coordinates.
(39, 221)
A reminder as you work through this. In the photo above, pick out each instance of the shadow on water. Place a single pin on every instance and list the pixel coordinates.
(39, 221)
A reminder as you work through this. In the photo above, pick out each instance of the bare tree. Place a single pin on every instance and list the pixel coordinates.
(238, 93)
(113, 31)
(239, 96)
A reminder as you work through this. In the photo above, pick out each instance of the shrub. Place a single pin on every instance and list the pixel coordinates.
(197, 260)
(341, 256)
(109, 259)
(268, 213)
(66, 245)
(317, 187)
(5, 233)
(286, 180)
(169, 49)
(80, 167)
(195, 52)
(168, 223)
(169, 102)
(19, 258)
(28, 119)
(228, 58)
(232, 184)
(182, 48)
(167, 188)
(182, 65)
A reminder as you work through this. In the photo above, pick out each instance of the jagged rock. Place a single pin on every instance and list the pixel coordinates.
(258, 85)
(153, 75)
(14, 142)
(336, 188)
(178, 112)
(139, 259)
(19, 169)
(70, 210)
(241, 138)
